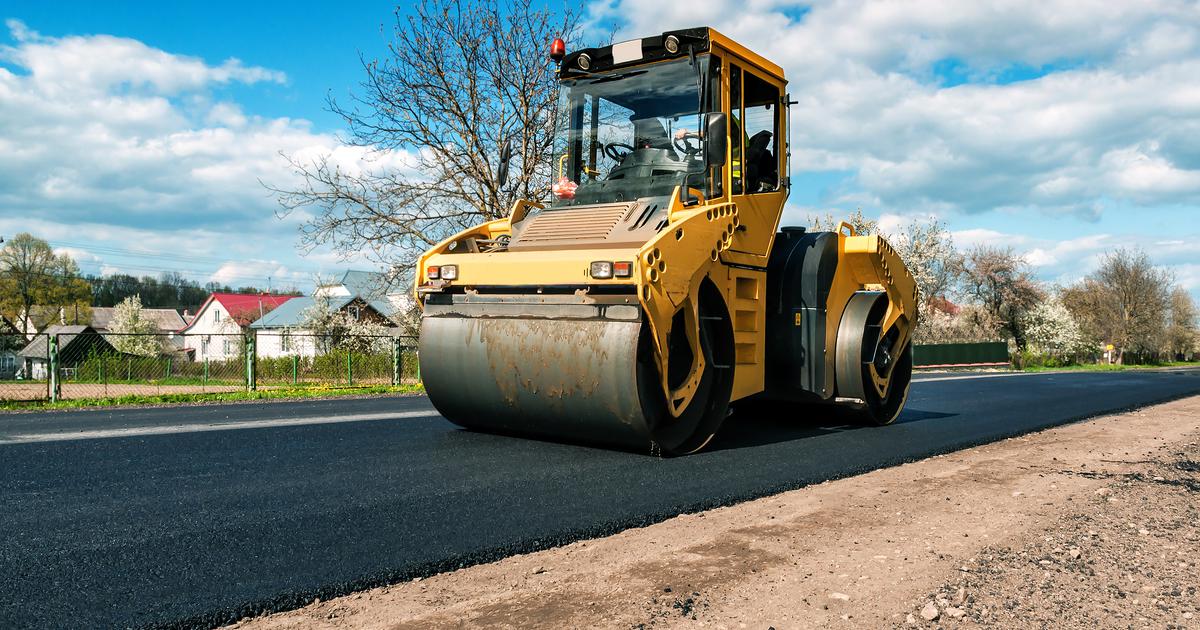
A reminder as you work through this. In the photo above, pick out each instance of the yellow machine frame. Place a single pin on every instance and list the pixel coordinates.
(724, 240)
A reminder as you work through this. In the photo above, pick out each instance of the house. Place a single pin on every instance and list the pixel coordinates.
(215, 333)
(167, 323)
(364, 295)
(166, 320)
(49, 314)
(75, 343)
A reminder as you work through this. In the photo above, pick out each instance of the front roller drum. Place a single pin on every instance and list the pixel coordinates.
(584, 379)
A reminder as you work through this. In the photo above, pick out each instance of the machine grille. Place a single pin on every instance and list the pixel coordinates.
(559, 227)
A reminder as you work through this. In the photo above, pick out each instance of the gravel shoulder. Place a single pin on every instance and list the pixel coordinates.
(1089, 525)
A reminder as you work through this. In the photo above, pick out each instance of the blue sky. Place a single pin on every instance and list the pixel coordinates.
(316, 43)
(135, 138)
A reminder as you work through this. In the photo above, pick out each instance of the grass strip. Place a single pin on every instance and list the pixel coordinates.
(292, 393)
(1107, 367)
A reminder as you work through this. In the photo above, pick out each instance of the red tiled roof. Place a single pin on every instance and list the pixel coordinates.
(244, 308)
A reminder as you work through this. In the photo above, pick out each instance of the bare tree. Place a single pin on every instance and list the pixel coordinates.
(943, 322)
(461, 78)
(928, 252)
(861, 223)
(1183, 339)
(1001, 282)
(1125, 303)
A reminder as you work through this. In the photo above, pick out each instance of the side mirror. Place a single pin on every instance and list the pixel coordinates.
(716, 136)
(505, 156)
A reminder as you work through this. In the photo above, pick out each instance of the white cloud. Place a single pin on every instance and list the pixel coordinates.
(104, 138)
(966, 239)
(243, 272)
(1067, 260)
(97, 64)
(1110, 108)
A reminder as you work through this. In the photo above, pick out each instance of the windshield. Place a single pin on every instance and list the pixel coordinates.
(631, 133)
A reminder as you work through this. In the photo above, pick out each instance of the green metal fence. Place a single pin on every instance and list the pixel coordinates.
(109, 365)
(961, 354)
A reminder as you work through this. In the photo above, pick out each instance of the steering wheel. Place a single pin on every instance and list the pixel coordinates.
(613, 150)
(688, 145)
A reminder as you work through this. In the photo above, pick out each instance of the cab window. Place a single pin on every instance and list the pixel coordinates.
(735, 127)
(754, 105)
(761, 122)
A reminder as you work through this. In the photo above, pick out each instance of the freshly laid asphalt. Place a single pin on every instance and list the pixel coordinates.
(186, 517)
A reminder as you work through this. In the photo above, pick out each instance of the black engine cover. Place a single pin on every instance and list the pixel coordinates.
(799, 276)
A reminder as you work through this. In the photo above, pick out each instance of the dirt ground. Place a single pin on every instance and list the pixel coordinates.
(1092, 525)
(35, 391)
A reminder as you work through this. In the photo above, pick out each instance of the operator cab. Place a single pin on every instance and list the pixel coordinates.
(633, 133)
(634, 118)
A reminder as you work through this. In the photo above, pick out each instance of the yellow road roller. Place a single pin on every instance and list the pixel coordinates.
(655, 288)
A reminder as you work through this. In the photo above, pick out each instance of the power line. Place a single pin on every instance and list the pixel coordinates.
(95, 281)
(124, 252)
(120, 252)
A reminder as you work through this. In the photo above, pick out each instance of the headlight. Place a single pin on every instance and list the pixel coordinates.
(601, 270)
(450, 272)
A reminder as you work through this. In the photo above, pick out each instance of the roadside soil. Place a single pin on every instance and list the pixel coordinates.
(1091, 525)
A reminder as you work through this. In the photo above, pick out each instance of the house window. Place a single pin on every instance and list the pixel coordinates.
(354, 311)
(285, 341)
(216, 316)
(204, 344)
(8, 363)
(228, 347)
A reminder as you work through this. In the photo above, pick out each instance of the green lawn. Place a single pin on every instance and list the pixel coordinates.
(1104, 367)
(289, 393)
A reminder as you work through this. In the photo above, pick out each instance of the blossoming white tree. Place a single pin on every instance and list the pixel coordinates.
(135, 333)
(1053, 331)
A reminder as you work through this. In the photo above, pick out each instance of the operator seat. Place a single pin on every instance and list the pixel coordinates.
(761, 165)
(649, 133)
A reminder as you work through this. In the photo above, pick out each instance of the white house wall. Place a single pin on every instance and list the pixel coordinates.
(275, 343)
(214, 335)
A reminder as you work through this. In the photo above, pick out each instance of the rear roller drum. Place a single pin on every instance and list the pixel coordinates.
(862, 354)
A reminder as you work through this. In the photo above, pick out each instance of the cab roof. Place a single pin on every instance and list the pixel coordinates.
(653, 48)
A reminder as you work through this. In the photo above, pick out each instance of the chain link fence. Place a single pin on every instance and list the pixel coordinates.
(89, 364)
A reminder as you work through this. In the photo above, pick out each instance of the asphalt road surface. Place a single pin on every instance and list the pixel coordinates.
(201, 515)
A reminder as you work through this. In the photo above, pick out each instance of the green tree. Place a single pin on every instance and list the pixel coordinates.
(37, 286)
(135, 334)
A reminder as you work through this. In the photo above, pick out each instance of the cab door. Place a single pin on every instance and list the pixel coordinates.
(756, 161)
